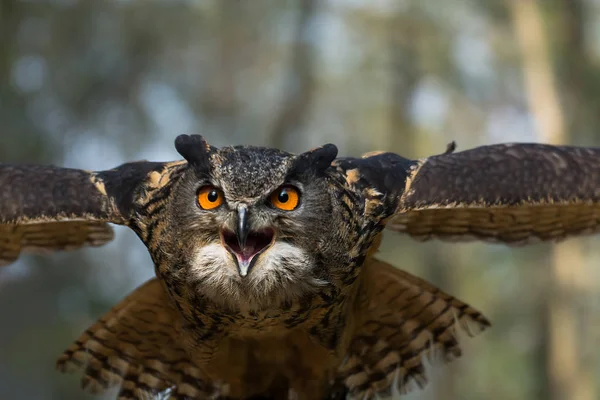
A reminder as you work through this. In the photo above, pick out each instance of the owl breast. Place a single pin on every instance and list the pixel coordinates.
(289, 366)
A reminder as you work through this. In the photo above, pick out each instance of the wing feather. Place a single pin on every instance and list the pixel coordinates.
(47, 208)
(404, 319)
(136, 347)
(511, 193)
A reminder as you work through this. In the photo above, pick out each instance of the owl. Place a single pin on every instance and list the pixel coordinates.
(267, 282)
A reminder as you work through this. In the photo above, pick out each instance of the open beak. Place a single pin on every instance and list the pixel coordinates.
(245, 245)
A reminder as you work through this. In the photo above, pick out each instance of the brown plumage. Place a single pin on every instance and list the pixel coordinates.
(268, 286)
(512, 193)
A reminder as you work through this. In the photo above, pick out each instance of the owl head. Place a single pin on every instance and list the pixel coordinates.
(254, 226)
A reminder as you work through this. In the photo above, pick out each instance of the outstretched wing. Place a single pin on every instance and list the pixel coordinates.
(46, 208)
(509, 193)
(402, 320)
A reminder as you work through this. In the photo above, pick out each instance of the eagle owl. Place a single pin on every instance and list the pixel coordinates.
(267, 285)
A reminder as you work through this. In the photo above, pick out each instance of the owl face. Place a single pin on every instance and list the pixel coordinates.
(251, 224)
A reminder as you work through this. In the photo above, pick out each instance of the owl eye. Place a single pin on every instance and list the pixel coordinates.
(209, 197)
(285, 198)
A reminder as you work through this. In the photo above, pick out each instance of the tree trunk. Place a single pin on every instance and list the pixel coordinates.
(565, 376)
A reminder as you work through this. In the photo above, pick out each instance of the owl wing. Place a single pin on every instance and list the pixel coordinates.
(508, 193)
(137, 348)
(402, 319)
(47, 208)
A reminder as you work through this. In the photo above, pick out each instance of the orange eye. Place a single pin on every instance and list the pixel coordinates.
(209, 197)
(286, 198)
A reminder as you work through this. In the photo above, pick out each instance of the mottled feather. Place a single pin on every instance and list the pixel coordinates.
(45, 208)
(510, 193)
(317, 316)
(403, 321)
(137, 347)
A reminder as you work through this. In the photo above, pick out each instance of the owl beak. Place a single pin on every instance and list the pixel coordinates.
(246, 245)
(242, 225)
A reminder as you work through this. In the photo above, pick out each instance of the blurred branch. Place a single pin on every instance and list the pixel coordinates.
(566, 379)
(299, 86)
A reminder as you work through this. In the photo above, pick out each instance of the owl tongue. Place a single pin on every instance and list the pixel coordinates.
(256, 241)
(252, 247)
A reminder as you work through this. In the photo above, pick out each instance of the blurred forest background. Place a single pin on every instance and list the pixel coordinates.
(93, 84)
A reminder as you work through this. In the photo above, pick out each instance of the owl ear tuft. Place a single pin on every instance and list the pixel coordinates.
(318, 159)
(194, 149)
